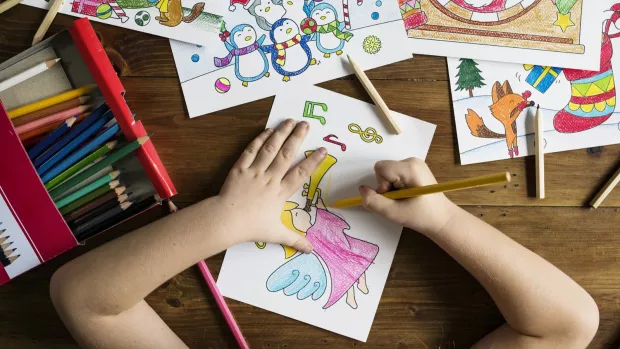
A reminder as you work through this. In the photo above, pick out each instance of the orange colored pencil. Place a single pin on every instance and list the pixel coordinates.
(24, 137)
(51, 119)
(24, 119)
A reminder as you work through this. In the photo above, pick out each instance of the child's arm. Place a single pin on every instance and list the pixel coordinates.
(542, 306)
(100, 295)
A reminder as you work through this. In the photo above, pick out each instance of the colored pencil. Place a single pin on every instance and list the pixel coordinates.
(8, 261)
(77, 219)
(6, 245)
(51, 119)
(372, 91)
(93, 118)
(7, 253)
(27, 74)
(9, 4)
(48, 140)
(82, 210)
(108, 160)
(47, 21)
(102, 218)
(24, 119)
(4, 239)
(461, 184)
(47, 102)
(90, 197)
(104, 171)
(64, 152)
(61, 172)
(607, 189)
(540, 154)
(35, 136)
(107, 180)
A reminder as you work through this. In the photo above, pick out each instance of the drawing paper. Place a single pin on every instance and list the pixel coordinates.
(185, 20)
(349, 244)
(562, 33)
(247, 65)
(579, 107)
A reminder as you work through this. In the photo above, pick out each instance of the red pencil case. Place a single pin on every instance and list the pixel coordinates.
(28, 215)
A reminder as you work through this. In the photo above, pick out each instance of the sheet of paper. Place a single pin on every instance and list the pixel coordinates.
(563, 33)
(350, 244)
(252, 62)
(185, 20)
(579, 107)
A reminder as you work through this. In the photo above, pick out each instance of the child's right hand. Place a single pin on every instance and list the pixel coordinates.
(426, 214)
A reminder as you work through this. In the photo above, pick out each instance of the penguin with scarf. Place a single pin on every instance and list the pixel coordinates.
(286, 38)
(330, 36)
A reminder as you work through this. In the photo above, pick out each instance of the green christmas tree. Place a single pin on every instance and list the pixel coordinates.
(469, 76)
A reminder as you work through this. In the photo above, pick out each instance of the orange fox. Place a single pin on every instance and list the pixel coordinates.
(506, 107)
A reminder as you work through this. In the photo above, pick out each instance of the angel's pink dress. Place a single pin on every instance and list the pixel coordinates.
(346, 257)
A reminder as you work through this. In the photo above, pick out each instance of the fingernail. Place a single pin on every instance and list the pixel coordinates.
(290, 122)
(268, 130)
(322, 150)
(306, 247)
(304, 124)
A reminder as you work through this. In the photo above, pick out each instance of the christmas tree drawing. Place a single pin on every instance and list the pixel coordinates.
(469, 76)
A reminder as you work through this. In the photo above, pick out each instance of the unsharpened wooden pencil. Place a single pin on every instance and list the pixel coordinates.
(540, 154)
(372, 91)
(100, 210)
(461, 184)
(51, 119)
(8, 261)
(9, 4)
(24, 119)
(107, 180)
(27, 74)
(47, 102)
(35, 136)
(48, 140)
(102, 218)
(78, 216)
(90, 197)
(47, 21)
(607, 189)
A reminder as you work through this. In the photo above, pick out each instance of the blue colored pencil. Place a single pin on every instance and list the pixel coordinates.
(109, 132)
(51, 138)
(75, 131)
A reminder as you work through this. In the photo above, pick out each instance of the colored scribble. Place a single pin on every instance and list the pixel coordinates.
(309, 111)
(332, 139)
(302, 276)
(368, 135)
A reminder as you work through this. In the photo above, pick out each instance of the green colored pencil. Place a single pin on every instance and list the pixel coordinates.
(90, 197)
(108, 160)
(107, 180)
(80, 164)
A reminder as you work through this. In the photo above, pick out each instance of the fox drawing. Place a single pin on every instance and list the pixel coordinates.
(506, 107)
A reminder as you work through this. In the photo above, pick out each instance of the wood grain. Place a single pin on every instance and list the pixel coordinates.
(429, 301)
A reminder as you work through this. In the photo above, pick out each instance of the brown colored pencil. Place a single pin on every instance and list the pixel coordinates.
(41, 132)
(24, 119)
(6, 262)
(95, 205)
(102, 218)
(90, 197)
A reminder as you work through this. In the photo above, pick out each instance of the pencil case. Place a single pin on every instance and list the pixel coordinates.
(30, 223)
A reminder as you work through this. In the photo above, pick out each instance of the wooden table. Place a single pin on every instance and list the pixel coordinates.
(429, 300)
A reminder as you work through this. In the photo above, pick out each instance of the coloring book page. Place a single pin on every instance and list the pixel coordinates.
(338, 286)
(185, 20)
(266, 46)
(494, 104)
(543, 32)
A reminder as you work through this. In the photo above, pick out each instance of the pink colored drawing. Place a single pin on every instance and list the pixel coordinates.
(330, 139)
(345, 10)
(118, 11)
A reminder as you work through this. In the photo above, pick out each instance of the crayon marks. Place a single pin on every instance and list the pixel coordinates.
(368, 135)
(332, 139)
(309, 111)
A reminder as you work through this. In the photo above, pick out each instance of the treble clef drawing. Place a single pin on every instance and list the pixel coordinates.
(368, 135)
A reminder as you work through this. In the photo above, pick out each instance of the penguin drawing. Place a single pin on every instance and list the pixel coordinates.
(296, 9)
(330, 37)
(251, 63)
(290, 53)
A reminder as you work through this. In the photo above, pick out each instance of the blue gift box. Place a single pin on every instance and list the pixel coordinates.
(540, 77)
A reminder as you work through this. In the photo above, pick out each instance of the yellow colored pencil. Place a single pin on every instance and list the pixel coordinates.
(44, 103)
(460, 184)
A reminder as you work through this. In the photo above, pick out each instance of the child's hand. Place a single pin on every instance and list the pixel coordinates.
(425, 214)
(254, 193)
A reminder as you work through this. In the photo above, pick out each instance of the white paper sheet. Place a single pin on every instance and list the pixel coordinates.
(578, 107)
(378, 39)
(186, 21)
(247, 270)
(517, 31)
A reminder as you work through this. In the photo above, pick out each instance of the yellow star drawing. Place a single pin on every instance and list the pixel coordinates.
(564, 21)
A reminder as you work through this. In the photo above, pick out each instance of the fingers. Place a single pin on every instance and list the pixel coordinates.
(272, 146)
(379, 204)
(294, 240)
(249, 154)
(408, 173)
(286, 155)
(300, 173)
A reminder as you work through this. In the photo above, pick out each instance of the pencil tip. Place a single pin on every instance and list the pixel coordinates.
(537, 106)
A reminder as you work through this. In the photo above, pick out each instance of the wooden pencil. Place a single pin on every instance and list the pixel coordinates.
(99, 211)
(6, 245)
(52, 137)
(102, 218)
(27, 74)
(7, 253)
(3, 239)
(461, 184)
(90, 197)
(47, 102)
(107, 180)
(51, 119)
(24, 119)
(85, 182)
(607, 189)
(9, 4)
(8, 261)
(34, 136)
(372, 91)
(89, 211)
(80, 211)
(540, 154)
(47, 21)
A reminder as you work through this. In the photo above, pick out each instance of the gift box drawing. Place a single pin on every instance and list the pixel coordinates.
(541, 78)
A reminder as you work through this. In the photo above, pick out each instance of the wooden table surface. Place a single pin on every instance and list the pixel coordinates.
(429, 300)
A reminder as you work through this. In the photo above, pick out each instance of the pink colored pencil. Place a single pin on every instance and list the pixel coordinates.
(221, 303)
(50, 119)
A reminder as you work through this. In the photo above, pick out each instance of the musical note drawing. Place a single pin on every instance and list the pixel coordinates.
(369, 135)
(309, 111)
(329, 139)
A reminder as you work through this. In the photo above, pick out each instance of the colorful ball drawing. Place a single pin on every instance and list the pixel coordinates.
(222, 85)
(195, 58)
(371, 44)
(308, 26)
(375, 15)
(104, 11)
(142, 18)
(378, 3)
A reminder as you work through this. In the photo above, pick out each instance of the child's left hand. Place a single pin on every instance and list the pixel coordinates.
(257, 187)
